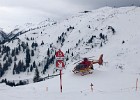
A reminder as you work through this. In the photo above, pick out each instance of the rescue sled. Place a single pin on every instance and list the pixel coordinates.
(83, 69)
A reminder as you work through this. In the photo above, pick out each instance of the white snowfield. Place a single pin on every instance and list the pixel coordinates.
(114, 80)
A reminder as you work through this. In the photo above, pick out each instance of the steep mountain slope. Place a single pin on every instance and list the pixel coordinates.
(111, 31)
(3, 36)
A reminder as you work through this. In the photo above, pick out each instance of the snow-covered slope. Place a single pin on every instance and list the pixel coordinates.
(113, 32)
(32, 26)
(3, 36)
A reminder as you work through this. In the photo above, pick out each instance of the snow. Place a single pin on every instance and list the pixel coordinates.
(115, 80)
(107, 85)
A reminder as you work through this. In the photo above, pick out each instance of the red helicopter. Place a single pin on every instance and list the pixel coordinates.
(86, 65)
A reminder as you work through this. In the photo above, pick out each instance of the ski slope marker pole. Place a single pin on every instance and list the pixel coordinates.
(61, 81)
(91, 87)
(137, 84)
(46, 88)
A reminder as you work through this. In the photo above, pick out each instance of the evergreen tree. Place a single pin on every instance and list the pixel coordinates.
(7, 54)
(17, 51)
(31, 68)
(63, 40)
(23, 46)
(5, 66)
(13, 53)
(10, 59)
(101, 44)
(89, 26)
(18, 68)
(27, 38)
(7, 48)
(39, 64)
(123, 42)
(33, 44)
(15, 66)
(28, 59)
(37, 76)
(4, 58)
(19, 47)
(36, 45)
(67, 58)
(26, 44)
(32, 53)
(34, 64)
(101, 36)
(22, 68)
(72, 54)
(48, 52)
(42, 43)
(1, 70)
(46, 66)
(15, 58)
(0, 48)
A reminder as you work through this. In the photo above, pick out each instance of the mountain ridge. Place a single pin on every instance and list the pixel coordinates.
(79, 35)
